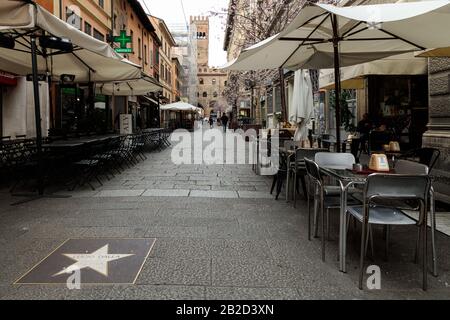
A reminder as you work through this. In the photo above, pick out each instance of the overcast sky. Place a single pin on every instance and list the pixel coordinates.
(172, 12)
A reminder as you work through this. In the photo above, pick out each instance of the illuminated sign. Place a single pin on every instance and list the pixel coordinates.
(123, 40)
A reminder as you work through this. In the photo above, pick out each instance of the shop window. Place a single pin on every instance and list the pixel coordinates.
(87, 28)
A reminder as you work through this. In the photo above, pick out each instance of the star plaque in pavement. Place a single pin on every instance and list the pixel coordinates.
(99, 261)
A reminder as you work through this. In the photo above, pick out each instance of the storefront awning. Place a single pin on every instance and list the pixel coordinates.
(353, 77)
(136, 87)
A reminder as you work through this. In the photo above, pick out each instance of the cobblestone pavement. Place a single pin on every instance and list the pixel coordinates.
(219, 235)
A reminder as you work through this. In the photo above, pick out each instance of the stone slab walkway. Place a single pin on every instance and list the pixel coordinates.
(219, 235)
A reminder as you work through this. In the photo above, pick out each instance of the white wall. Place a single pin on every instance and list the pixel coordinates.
(18, 109)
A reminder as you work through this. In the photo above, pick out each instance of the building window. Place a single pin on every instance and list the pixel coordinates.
(98, 35)
(139, 49)
(87, 28)
(214, 81)
(132, 39)
(225, 82)
(215, 94)
(145, 54)
(205, 94)
(201, 81)
(101, 3)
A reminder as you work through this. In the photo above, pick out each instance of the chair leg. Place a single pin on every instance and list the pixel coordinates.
(362, 254)
(328, 224)
(316, 216)
(323, 225)
(387, 237)
(425, 251)
(433, 239)
(287, 184)
(295, 189)
(303, 181)
(416, 254)
(309, 214)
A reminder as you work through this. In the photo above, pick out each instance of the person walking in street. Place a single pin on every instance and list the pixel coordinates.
(211, 122)
(224, 120)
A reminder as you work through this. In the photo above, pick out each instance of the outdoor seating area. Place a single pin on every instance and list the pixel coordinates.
(77, 161)
(334, 182)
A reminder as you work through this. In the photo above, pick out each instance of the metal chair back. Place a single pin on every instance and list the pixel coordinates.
(335, 160)
(410, 167)
(397, 186)
(313, 171)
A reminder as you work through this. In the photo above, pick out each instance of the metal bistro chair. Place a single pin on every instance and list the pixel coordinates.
(298, 170)
(396, 187)
(426, 156)
(321, 198)
(335, 160)
(410, 167)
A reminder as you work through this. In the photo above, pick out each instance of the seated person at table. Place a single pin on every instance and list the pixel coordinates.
(364, 128)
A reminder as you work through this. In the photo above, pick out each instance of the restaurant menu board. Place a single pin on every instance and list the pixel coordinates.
(126, 124)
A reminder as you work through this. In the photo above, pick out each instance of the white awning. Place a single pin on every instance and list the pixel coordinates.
(353, 77)
(135, 87)
(367, 33)
(91, 59)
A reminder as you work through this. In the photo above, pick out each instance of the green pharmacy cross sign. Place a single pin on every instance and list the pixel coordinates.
(123, 40)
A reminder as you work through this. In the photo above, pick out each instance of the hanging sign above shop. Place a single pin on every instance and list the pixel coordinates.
(123, 41)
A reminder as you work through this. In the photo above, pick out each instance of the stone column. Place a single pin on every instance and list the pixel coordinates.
(438, 134)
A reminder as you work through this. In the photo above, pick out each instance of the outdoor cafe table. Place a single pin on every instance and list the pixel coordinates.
(347, 178)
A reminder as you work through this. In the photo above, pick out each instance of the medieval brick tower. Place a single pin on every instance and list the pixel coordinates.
(211, 82)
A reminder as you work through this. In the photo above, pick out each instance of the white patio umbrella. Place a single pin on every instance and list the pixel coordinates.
(326, 36)
(301, 110)
(180, 106)
(34, 41)
(89, 60)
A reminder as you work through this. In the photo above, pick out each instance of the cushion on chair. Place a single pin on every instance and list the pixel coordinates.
(382, 215)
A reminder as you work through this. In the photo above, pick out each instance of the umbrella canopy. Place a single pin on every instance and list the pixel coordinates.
(91, 59)
(352, 77)
(364, 33)
(326, 36)
(438, 52)
(180, 106)
(301, 110)
(137, 87)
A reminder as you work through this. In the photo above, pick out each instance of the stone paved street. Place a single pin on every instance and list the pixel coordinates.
(219, 235)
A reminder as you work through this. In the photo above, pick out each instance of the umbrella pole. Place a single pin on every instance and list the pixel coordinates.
(283, 95)
(337, 82)
(37, 116)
